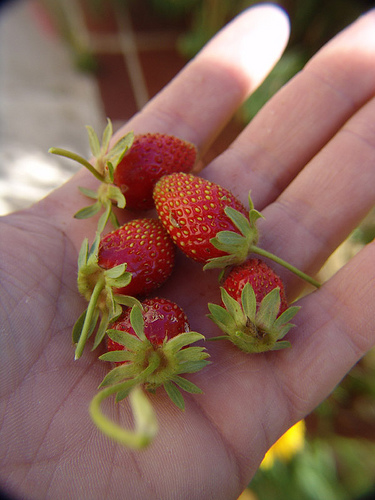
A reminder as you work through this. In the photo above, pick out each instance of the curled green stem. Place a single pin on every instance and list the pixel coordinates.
(145, 422)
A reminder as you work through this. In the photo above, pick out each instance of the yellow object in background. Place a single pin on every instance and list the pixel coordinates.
(287, 446)
(247, 494)
(284, 449)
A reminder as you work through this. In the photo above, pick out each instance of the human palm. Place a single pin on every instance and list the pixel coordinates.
(308, 160)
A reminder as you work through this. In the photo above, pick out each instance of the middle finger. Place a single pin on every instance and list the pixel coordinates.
(301, 118)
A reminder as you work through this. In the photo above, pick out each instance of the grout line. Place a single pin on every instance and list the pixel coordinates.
(144, 41)
(157, 40)
(130, 54)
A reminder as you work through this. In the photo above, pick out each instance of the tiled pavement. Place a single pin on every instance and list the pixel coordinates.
(45, 101)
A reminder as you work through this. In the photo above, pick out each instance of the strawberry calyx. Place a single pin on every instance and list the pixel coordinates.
(97, 286)
(237, 246)
(105, 196)
(253, 328)
(146, 366)
(170, 359)
(105, 161)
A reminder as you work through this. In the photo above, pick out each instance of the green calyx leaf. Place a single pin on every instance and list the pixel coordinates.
(174, 394)
(137, 322)
(90, 211)
(250, 327)
(116, 154)
(75, 157)
(90, 193)
(105, 196)
(105, 158)
(172, 389)
(236, 246)
(97, 285)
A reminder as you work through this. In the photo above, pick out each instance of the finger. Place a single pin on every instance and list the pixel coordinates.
(203, 97)
(301, 118)
(334, 330)
(328, 199)
(200, 100)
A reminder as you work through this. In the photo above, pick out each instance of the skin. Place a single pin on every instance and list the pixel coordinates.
(308, 158)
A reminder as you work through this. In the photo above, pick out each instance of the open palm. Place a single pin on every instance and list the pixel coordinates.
(308, 159)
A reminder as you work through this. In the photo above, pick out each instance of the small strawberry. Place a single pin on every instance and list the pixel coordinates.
(260, 276)
(134, 259)
(255, 316)
(150, 157)
(195, 211)
(151, 346)
(129, 170)
(163, 320)
(147, 250)
(156, 334)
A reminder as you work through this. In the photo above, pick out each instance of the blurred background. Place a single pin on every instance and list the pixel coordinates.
(65, 64)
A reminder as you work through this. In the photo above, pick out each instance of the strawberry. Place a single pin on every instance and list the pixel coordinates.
(147, 250)
(134, 259)
(162, 318)
(129, 170)
(150, 157)
(255, 316)
(261, 277)
(151, 347)
(195, 212)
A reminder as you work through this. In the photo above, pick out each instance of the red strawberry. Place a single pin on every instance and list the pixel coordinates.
(163, 320)
(255, 316)
(147, 250)
(150, 157)
(261, 278)
(130, 167)
(194, 211)
(135, 259)
(152, 346)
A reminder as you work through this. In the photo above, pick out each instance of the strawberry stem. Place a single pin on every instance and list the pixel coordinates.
(79, 159)
(89, 314)
(145, 422)
(264, 253)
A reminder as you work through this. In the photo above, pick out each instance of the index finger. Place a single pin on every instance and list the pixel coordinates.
(199, 101)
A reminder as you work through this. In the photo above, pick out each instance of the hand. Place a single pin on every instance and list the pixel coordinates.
(308, 158)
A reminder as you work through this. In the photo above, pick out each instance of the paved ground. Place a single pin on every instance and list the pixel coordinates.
(44, 102)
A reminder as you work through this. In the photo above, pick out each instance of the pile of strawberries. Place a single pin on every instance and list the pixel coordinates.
(148, 339)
